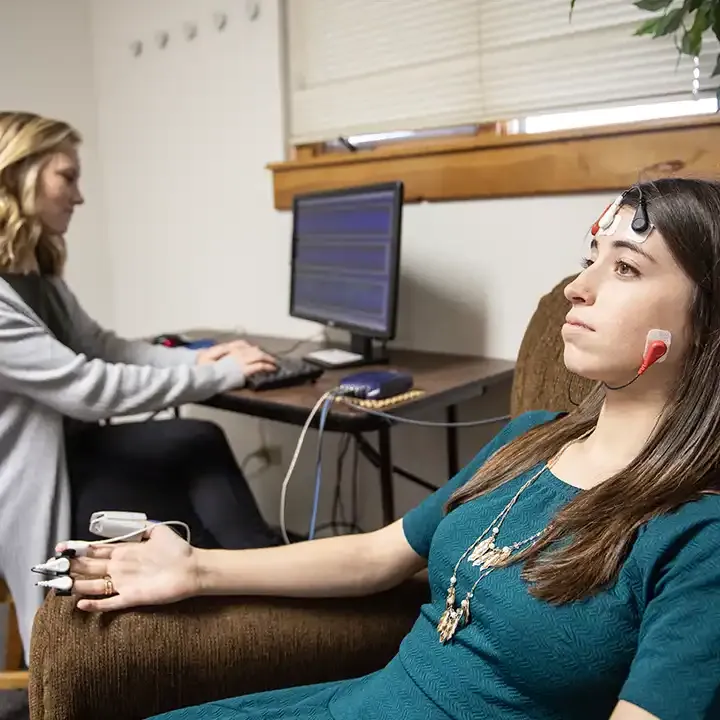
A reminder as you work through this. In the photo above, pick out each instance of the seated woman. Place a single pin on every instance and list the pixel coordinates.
(575, 562)
(60, 373)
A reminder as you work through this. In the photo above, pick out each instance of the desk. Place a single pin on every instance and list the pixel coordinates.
(446, 380)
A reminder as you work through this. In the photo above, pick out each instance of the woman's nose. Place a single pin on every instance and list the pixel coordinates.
(578, 290)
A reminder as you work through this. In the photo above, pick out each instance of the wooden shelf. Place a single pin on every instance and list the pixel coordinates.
(490, 166)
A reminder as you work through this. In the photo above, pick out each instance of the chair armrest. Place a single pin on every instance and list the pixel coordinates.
(138, 663)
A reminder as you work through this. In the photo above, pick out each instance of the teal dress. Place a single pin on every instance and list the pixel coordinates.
(652, 639)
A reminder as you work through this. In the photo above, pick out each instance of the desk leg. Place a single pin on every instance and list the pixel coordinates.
(453, 454)
(386, 475)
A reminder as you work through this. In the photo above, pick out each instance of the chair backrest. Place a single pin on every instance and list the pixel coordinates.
(541, 380)
(11, 656)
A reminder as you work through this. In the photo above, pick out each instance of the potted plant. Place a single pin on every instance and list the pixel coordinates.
(686, 20)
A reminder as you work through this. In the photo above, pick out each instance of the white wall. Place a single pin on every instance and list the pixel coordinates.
(46, 56)
(185, 133)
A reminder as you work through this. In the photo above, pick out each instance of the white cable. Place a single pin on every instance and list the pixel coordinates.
(293, 462)
(128, 536)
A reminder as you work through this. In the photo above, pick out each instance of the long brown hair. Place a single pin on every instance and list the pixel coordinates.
(681, 459)
(26, 142)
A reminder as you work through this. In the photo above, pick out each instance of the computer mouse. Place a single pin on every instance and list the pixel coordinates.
(170, 340)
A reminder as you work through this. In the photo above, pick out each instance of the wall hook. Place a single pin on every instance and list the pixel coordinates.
(190, 30)
(162, 38)
(220, 21)
(252, 9)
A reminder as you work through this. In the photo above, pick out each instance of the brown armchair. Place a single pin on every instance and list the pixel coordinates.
(128, 666)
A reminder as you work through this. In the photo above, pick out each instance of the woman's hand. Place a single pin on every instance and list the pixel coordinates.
(161, 570)
(220, 350)
(250, 358)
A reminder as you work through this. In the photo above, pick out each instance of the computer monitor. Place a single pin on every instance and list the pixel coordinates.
(346, 262)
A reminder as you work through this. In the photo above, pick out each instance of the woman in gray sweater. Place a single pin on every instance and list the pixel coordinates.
(60, 374)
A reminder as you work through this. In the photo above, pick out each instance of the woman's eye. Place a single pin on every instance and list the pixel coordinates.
(626, 270)
(585, 263)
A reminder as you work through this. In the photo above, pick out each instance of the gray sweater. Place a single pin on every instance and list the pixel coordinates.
(41, 381)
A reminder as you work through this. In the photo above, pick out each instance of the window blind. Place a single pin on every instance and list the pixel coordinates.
(367, 66)
(360, 66)
(535, 60)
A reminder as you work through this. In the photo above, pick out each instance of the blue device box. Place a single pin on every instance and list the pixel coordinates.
(377, 384)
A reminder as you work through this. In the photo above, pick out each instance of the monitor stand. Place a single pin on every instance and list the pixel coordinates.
(361, 352)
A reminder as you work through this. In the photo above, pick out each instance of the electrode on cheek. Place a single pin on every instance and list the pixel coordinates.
(657, 347)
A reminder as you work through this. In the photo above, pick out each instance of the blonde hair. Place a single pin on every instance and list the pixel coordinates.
(26, 143)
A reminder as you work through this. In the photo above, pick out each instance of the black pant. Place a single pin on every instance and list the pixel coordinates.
(169, 470)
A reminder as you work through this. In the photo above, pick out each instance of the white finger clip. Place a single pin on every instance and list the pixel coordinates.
(115, 524)
(75, 548)
(62, 584)
(54, 566)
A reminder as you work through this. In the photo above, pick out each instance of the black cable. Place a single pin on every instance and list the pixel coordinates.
(373, 456)
(355, 485)
(620, 387)
(338, 508)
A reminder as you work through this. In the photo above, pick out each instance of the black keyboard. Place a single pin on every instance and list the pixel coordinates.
(289, 371)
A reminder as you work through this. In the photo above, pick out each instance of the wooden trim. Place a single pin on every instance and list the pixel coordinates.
(487, 165)
(17, 680)
(306, 152)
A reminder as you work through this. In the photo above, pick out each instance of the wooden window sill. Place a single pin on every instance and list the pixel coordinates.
(491, 166)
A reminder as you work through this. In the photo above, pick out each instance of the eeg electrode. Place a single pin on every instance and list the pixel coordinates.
(657, 347)
(640, 226)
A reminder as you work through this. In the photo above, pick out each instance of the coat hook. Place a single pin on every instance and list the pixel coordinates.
(190, 29)
(220, 19)
(162, 38)
(252, 9)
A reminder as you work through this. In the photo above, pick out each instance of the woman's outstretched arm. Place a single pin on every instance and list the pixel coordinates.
(165, 569)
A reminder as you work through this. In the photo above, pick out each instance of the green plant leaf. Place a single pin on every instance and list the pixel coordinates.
(652, 5)
(716, 70)
(670, 23)
(648, 27)
(715, 20)
(691, 43)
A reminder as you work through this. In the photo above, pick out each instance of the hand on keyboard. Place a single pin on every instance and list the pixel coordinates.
(286, 372)
(251, 359)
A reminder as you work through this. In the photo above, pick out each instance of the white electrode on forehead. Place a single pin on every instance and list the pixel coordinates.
(637, 229)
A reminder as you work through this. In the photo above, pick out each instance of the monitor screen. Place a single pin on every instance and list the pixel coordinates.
(345, 258)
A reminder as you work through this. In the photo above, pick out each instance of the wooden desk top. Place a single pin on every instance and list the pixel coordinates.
(445, 380)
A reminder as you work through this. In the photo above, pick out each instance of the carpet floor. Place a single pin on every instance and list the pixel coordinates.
(14, 705)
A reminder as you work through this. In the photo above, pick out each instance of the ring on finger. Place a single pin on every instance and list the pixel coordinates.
(109, 589)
